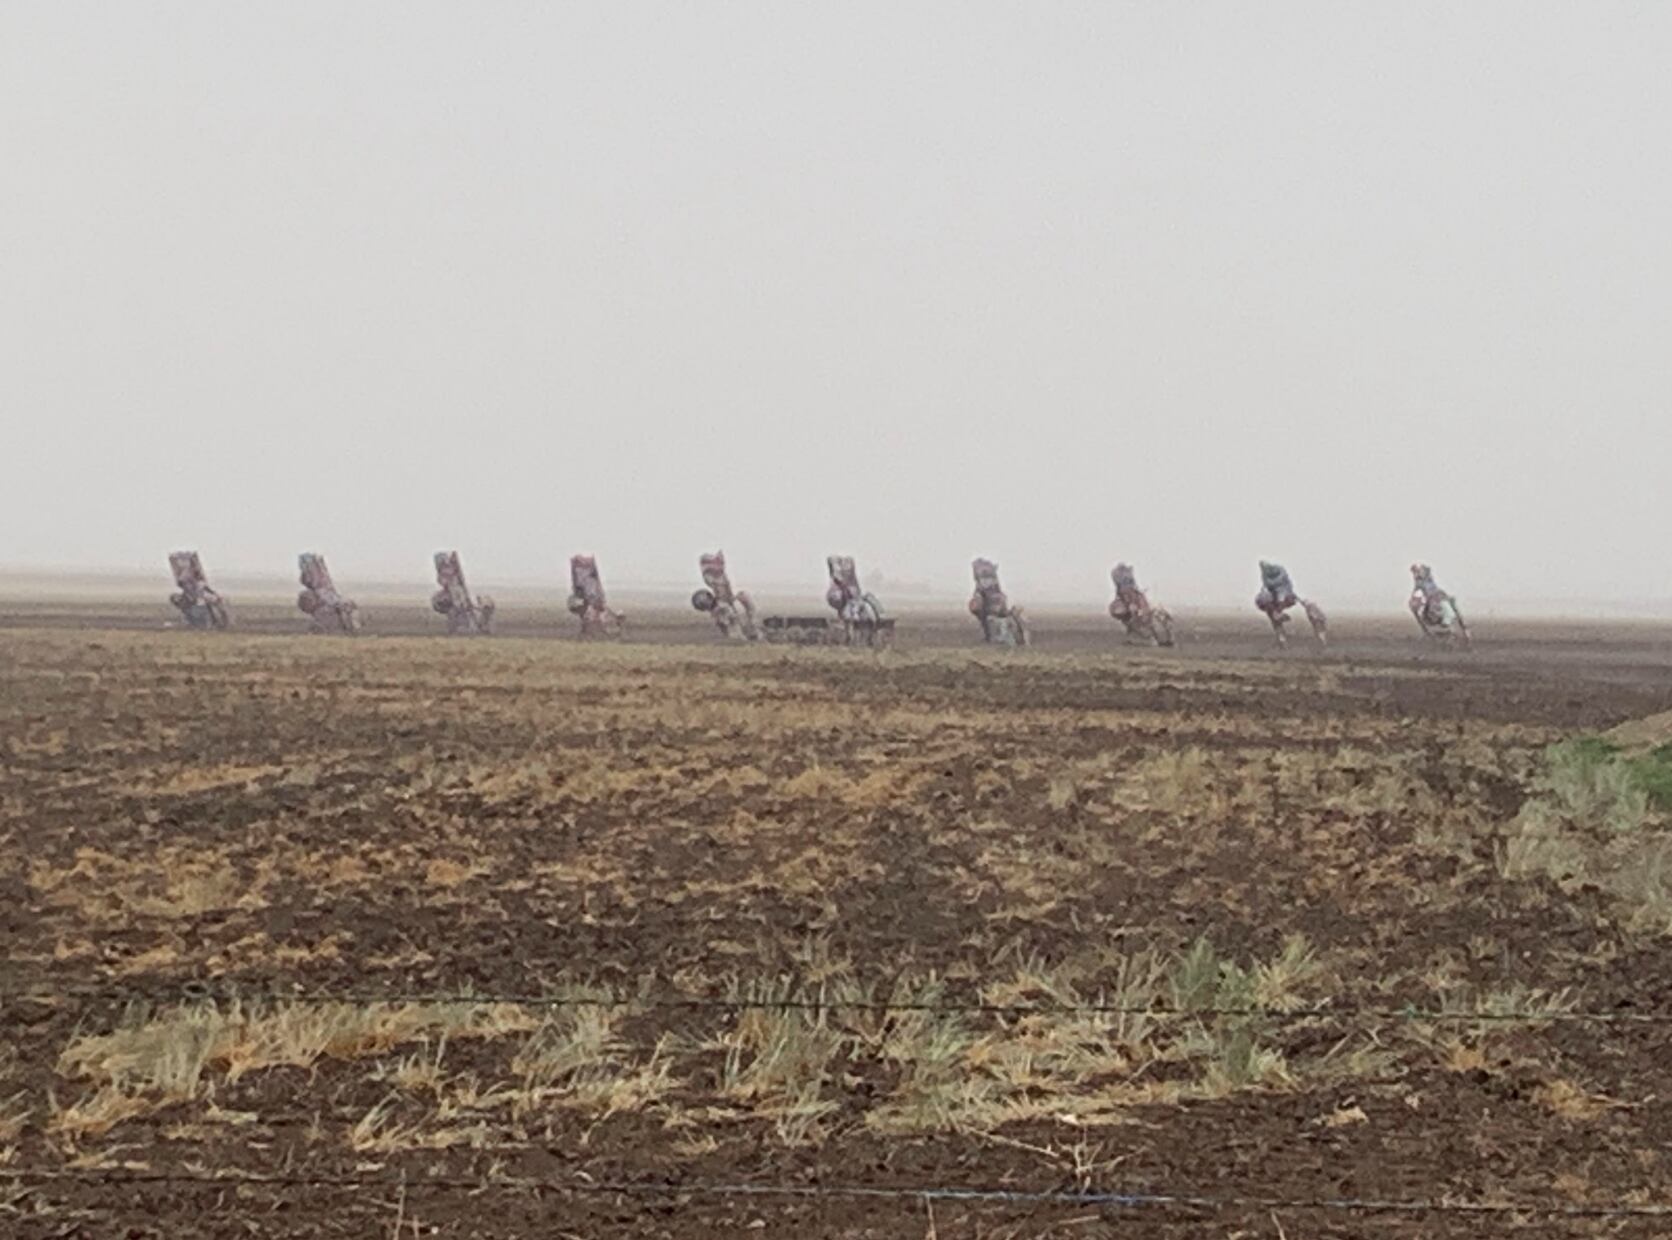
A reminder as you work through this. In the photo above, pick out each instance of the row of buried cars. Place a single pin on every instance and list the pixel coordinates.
(857, 615)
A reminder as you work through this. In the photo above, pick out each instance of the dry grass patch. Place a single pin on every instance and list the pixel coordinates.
(207, 778)
(194, 891)
(871, 789)
(779, 1060)
(446, 874)
(153, 1060)
(956, 1070)
(1564, 1098)
(1465, 1045)
(15, 1113)
(177, 882)
(622, 1088)
(382, 1131)
(576, 1059)
(1600, 816)
(1174, 781)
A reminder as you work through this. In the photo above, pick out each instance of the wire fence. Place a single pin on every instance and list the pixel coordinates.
(1333, 1009)
(1504, 1211)
(1499, 1213)
(1083, 1198)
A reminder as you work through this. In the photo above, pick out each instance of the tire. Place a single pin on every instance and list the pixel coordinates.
(1161, 625)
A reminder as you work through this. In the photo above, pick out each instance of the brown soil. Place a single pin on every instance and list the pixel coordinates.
(673, 824)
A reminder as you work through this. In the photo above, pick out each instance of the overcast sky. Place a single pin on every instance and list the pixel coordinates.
(1188, 284)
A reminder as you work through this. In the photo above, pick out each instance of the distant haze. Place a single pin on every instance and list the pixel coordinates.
(1338, 284)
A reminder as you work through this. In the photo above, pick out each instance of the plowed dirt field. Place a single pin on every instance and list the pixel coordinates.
(524, 937)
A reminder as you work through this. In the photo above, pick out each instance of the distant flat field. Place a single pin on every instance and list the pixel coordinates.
(529, 936)
(1605, 649)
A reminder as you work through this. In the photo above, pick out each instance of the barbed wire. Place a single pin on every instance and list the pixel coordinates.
(192, 992)
(1083, 1198)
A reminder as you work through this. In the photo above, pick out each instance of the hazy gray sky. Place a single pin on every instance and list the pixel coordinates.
(1189, 284)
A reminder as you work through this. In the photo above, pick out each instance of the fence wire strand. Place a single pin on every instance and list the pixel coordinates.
(202, 993)
(1086, 1198)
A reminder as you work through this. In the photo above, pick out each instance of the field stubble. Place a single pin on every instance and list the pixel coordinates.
(1041, 922)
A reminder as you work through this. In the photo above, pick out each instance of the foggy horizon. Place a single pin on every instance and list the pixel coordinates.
(1183, 286)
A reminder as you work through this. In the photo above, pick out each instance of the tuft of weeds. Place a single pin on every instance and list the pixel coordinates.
(379, 1131)
(192, 892)
(164, 1055)
(1645, 886)
(1175, 780)
(1590, 784)
(15, 1113)
(1061, 791)
(570, 1041)
(1279, 983)
(1515, 1000)
(1571, 1102)
(937, 1090)
(155, 1058)
(100, 1111)
(1652, 773)
(419, 1072)
(1466, 1045)
(577, 1059)
(1599, 817)
(1541, 843)
(1235, 1060)
(1201, 979)
(615, 1088)
(778, 1059)
(1226, 1041)
(1085, 1053)
(819, 961)
(103, 887)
